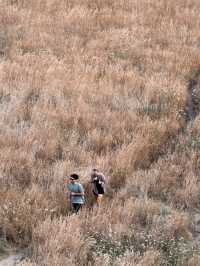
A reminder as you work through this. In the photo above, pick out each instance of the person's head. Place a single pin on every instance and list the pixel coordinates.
(95, 172)
(73, 178)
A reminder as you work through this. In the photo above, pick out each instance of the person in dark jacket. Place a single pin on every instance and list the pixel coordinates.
(98, 181)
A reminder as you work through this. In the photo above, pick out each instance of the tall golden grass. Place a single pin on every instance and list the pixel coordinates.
(99, 83)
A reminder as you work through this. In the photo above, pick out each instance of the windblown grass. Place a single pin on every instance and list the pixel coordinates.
(99, 83)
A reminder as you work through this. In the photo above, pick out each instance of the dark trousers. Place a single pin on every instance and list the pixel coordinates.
(76, 207)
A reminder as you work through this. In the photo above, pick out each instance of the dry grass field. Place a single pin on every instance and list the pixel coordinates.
(112, 84)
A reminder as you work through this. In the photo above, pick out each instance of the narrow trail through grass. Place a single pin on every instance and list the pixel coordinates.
(193, 103)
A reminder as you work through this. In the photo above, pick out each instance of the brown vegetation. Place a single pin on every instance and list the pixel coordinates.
(104, 83)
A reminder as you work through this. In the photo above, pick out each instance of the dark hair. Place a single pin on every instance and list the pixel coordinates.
(74, 176)
(95, 170)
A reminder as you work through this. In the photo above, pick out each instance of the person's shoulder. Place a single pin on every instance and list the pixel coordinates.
(80, 187)
(101, 175)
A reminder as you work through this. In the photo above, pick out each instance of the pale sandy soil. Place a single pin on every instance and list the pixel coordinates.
(11, 260)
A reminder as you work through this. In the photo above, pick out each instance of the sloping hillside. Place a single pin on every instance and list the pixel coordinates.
(110, 84)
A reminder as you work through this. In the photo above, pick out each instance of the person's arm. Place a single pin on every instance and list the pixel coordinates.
(80, 193)
(77, 193)
(102, 179)
(93, 179)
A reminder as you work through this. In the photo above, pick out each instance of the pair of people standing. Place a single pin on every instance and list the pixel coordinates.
(77, 197)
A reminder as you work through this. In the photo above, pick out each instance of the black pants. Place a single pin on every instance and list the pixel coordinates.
(76, 207)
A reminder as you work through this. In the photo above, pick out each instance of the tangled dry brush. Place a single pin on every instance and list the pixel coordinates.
(100, 83)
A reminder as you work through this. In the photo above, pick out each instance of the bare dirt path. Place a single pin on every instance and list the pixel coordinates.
(193, 102)
(192, 111)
